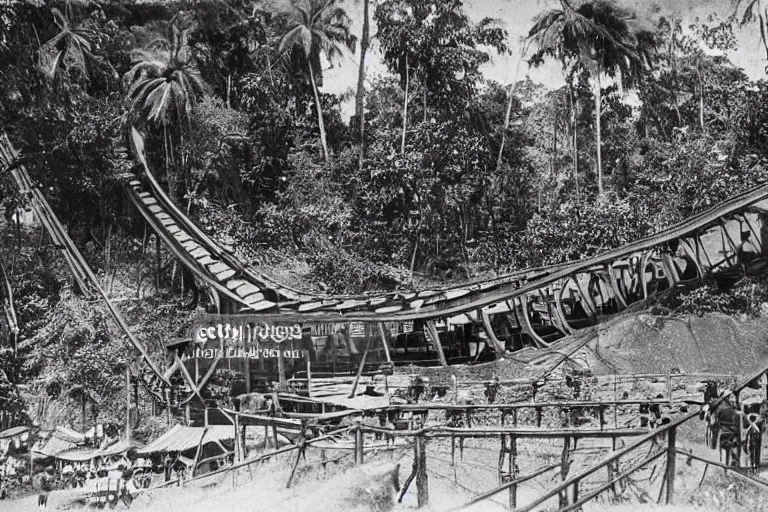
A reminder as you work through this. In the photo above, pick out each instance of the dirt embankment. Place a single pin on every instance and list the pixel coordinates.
(714, 343)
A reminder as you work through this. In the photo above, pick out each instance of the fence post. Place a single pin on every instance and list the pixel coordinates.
(512, 473)
(564, 471)
(359, 444)
(671, 456)
(576, 491)
(609, 467)
(669, 387)
(422, 485)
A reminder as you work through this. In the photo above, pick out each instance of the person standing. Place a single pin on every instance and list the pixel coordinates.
(46, 484)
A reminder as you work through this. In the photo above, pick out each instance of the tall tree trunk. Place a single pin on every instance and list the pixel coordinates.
(506, 125)
(574, 128)
(320, 122)
(701, 100)
(405, 106)
(360, 97)
(598, 136)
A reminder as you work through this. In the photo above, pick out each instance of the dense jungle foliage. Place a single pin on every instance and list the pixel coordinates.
(439, 173)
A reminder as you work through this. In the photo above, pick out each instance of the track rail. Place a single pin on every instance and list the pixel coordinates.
(608, 283)
(6, 295)
(86, 279)
(253, 291)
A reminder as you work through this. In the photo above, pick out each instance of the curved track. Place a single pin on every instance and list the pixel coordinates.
(87, 282)
(601, 285)
(622, 275)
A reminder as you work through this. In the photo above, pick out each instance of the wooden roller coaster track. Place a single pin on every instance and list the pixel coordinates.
(600, 285)
(87, 281)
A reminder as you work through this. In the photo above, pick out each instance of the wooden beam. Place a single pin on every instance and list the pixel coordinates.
(486, 319)
(431, 331)
(422, 479)
(199, 451)
(360, 368)
(514, 482)
(615, 286)
(693, 256)
(671, 458)
(522, 308)
(384, 343)
(282, 382)
(559, 308)
(669, 268)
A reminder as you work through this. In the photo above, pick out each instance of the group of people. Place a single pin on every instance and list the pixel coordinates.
(736, 429)
(103, 484)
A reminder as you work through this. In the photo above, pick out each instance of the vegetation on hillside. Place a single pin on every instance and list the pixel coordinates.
(454, 175)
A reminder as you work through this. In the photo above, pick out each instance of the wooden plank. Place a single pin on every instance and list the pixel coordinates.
(231, 285)
(218, 267)
(246, 289)
(254, 297)
(262, 305)
(199, 253)
(182, 236)
(223, 276)
(206, 260)
(311, 306)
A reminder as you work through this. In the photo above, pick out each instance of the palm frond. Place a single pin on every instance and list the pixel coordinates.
(298, 35)
(157, 102)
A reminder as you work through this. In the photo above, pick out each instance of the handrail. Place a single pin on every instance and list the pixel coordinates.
(506, 485)
(749, 479)
(261, 457)
(513, 405)
(440, 431)
(632, 446)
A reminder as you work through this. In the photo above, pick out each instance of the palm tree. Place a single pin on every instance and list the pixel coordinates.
(315, 28)
(164, 82)
(70, 48)
(603, 38)
(360, 96)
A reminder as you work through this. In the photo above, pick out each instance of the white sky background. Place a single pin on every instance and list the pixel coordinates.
(517, 17)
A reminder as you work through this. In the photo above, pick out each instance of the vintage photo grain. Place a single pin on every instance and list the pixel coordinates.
(383, 255)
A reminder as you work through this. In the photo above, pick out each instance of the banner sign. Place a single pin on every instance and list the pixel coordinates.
(237, 336)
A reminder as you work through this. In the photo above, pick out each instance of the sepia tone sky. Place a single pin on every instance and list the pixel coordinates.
(518, 15)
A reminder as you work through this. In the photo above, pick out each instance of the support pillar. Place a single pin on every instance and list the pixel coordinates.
(422, 480)
(359, 445)
(431, 331)
(497, 345)
(384, 343)
(671, 457)
(564, 466)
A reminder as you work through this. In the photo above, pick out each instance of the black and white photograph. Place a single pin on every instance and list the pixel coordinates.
(383, 255)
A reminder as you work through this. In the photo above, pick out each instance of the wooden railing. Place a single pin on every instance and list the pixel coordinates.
(671, 451)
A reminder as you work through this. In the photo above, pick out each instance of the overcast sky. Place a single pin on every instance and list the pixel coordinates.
(517, 17)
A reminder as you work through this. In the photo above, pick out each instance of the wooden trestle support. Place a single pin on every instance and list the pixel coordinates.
(541, 304)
